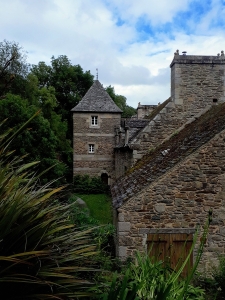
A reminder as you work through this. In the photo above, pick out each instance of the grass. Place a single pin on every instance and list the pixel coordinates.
(99, 205)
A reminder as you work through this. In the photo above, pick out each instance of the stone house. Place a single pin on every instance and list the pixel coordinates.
(100, 136)
(166, 170)
(95, 120)
(177, 172)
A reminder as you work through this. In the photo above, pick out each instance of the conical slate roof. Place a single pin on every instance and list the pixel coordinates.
(98, 100)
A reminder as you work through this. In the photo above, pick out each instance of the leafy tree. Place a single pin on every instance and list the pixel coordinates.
(12, 65)
(39, 140)
(55, 89)
(121, 102)
(69, 81)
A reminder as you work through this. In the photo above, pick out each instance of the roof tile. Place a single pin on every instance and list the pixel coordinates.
(96, 100)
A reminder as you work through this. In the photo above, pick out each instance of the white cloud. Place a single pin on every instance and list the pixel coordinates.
(156, 11)
(87, 32)
(144, 94)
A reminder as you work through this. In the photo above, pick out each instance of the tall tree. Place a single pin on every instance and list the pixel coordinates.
(38, 141)
(69, 81)
(121, 102)
(12, 65)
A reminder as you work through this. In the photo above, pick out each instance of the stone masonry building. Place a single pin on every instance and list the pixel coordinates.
(167, 169)
(95, 120)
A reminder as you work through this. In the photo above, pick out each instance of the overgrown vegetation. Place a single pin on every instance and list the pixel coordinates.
(213, 283)
(42, 254)
(85, 184)
(146, 278)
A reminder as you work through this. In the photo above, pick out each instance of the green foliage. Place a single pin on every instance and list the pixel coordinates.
(55, 89)
(12, 65)
(215, 283)
(39, 140)
(88, 185)
(99, 206)
(42, 255)
(123, 289)
(98, 213)
(70, 83)
(148, 279)
(219, 274)
(120, 101)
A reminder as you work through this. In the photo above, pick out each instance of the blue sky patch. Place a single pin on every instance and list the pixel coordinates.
(119, 22)
(146, 30)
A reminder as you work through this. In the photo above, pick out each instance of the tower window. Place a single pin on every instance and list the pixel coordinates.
(94, 120)
(214, 100)
(91, 148)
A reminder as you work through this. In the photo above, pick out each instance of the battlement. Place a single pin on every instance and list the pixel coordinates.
(197, 80)
(197, 59)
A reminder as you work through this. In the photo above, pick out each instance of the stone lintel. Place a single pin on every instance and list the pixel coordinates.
(166, 230)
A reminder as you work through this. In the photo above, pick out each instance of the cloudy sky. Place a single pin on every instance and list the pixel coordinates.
(131, 42)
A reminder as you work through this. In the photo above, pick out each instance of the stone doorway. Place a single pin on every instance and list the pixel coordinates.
(105, 178)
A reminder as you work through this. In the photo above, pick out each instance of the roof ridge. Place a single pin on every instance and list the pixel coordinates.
(178, 163)
(168, 154)
(97, 100)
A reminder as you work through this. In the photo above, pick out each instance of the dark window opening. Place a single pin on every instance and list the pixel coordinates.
(214, 100)
(94, 120)
(91, 148)
(104, 178)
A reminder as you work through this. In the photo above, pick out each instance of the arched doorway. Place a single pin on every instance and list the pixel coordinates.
(104, 178)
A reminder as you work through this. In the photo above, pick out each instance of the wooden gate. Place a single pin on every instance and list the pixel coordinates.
(171, 248)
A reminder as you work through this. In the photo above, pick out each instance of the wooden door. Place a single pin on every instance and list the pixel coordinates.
(171, 248)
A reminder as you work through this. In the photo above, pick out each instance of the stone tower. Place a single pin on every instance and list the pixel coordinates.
(197, 81)
(95, 119)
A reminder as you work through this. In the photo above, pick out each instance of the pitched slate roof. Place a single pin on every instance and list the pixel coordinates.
(96, 100)
(134, 125)
(156, 163)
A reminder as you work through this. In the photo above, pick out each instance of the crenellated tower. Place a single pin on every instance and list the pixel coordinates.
(197, 81)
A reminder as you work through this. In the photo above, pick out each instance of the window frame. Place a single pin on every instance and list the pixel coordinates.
(94, 120)
(91, 148)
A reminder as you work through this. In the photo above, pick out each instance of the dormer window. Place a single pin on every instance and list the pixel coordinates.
(94, 120)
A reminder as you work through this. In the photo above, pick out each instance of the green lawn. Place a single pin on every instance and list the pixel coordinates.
(100, 206)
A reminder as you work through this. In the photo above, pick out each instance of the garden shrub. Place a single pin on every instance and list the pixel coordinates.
(219, 275)
(42, 254)
(89, 185)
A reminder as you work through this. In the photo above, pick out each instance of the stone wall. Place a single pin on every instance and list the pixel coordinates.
(169, 119)
(197, 82)
(180, 199)
(144, 110)
(123, 159)
(101, 136)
